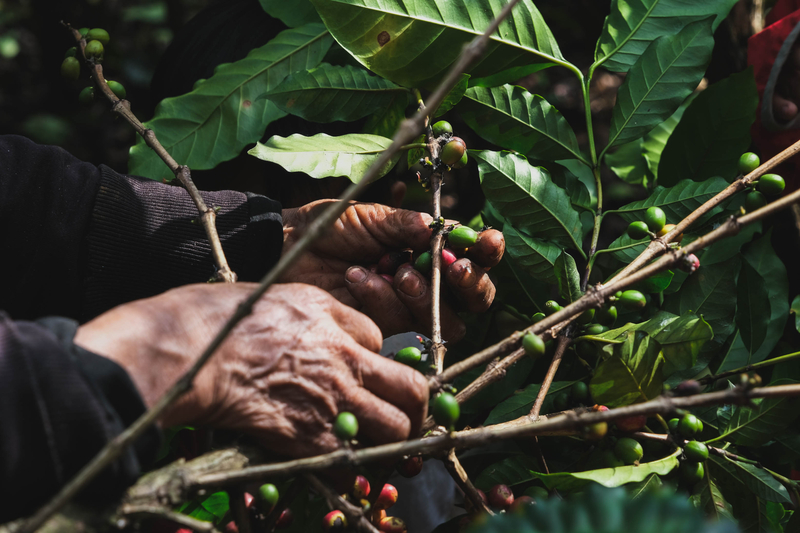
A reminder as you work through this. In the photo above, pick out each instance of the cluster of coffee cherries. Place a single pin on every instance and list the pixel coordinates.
(766, 185)
(259, 507)
(452, 153)
(96, 40)
(336, 521)
(654, 225)
(695, 453)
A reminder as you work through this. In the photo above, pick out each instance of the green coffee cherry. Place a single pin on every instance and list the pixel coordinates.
(453, 151)
(117, 88)
(689, 426)
(748, 162)
(441, 127)
(98, 34)
(655, 218)
(552, 306)
(87, 95)
(83, 31)
(607, 315)
(632, 299)
(561, 401)
(268, 496)
(94, 49)
(771, 184)
(71, 52)
(537, 317)
(585, 317)
(637, 230)
(346, 426)
(691, 472)
(533, 345)
(580, 392)
(754, 200)
(461, 163)
(424, 262)
(628, 450)
(595, 329)
(409, 356)
(71, 68)
(462, 237)
(695, 451)
(446, 410)
(673, 424)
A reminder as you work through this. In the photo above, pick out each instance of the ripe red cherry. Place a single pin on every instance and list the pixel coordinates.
(387, 498)
(285, 519)
(361, 488)
(448, 258)
(392, 524)
(334, 522)
(501, 496)
(410, 467)
(631, 423)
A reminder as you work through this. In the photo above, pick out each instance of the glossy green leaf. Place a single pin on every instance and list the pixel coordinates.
(752, 307)
(414, 43)
(754, 478)
(322, 156)
(656, 283)
(216, 121)
(795, 310)
(329, 93)
(454, 96)
(749, 509)
(654, 142)
(511, 117)
(510, 76)
(569, 280)
(528, 198)
(293, 14)
(677, 202)
(522, 402)
(713, 133)
(628, 163)
(651, 483)
(755, 426)
(564, 175)
(386, 121)
(510, 471)
(633, 24)
(631, 374)
(609, 477)
(657, 84)
(709, 498)
(681, 341)
(535, 256)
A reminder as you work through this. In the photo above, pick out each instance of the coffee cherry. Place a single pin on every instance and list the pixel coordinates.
(230, 527)
(334, 522)
(446, 410)
(94, 49)
(631, 423)
(461, 163)
(754, 200)
(637, 230)
(771, 184)
(441, 127)
(410, 466)
(691, 472)
(71, 52)
(346, 426)
(595, 431)
(595, 329)
(520, 504)
(387, 497)
(533, 345)
(689, 426)
(695, 451)
(585, 317)
(537, 317)
(655, 218)
(117, 88)
(98, 34)
(424, 262)
(463, 237)
(453, 151)
(607, 315)
(501, 497)
(673, 424)
(392, 524)
(580, 392)
(632, 299)
(87, 95)
(561, 401)
(83, 32)
(552, 306)
(285, 519)
(248, 500)
(628, 450)
(748, 162)
(70, 68)
(448, 258)
(391, 261)
(267, 497)
(408, 356)
(689, 263)
(360, 487)
(666, 229)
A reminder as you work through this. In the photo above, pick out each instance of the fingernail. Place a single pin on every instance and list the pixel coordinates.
(356, 275)
(411, 285)
(468, 277)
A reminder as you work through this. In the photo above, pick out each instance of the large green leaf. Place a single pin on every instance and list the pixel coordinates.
(628, 163)
(662, 78)
(214, 122)
(742, 491)
(609, 477)
(633, 24)
(752, 307)
(709, 498)
(511, 117)
(632, 373)
(527, 197)
(681, 341)
(454, 96)
(293, 14)
(328, 93)
(677, 202)
(625, 249)
(510, 471)
(322, 156)
(754, 478)
(654, 142)
(713, 133)
(384, 122)
(414, 43)
(755, 426)
(535, 256)
(521, 403)
(569, 280)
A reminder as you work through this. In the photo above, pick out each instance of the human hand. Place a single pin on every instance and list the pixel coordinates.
(282, 375)
(337, 262)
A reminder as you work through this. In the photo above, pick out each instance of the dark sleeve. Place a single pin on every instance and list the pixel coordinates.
(59, 405)
(78, 239)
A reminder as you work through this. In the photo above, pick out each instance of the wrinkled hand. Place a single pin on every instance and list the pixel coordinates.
(282, 375)
(337, 263)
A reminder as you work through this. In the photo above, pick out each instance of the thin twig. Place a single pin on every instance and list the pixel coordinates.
(406, 133)
(563, 343)
(354, 514)
(437, 244)
(459, 475)
(208, 215)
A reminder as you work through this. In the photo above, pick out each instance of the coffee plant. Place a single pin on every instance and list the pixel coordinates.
(646, 348)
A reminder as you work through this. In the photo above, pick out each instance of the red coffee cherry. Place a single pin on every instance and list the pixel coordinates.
(334, 522)
(387, 498)
(501, 496)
